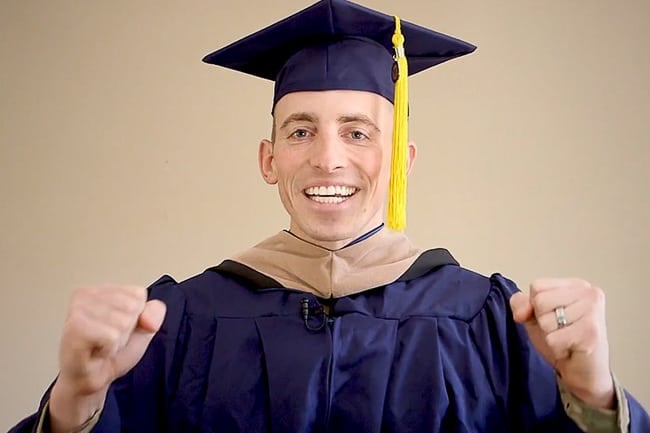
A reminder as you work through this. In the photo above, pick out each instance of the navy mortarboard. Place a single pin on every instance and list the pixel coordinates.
(340, 45)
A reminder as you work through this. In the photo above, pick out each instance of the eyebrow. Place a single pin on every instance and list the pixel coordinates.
(360, 118)
(345, 118)
(298, 117)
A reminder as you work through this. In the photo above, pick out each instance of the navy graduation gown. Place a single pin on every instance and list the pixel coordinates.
(435, 351)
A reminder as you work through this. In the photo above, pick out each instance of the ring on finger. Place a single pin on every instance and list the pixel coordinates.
(560, 317)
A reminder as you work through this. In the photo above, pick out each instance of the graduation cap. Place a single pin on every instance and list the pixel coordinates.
(340, 45)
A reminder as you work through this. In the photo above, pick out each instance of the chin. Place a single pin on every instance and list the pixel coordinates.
(334, 233)
(343, 228)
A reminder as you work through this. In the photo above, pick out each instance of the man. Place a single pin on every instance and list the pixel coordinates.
(338, 324)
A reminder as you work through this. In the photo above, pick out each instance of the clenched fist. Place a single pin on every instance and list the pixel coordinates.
(106, 333)
(565, 320)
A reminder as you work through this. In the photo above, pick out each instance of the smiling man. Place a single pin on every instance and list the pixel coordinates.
(339, 323)
(330, 158)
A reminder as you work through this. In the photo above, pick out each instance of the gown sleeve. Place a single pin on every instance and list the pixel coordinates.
(523, 383)
(136, 401)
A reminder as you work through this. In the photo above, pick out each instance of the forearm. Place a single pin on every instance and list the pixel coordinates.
(612, 417)
(69, 412)
(44, 422)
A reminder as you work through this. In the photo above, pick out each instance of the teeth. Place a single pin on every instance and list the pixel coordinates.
(327, 200)
(330, 191)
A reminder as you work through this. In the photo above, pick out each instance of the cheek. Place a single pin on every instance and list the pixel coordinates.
(380, 167)
(286, 168)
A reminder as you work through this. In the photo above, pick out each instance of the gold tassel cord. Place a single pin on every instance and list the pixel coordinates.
(399, 163)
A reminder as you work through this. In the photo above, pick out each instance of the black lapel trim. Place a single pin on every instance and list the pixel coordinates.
(427, 262)
(248, 275)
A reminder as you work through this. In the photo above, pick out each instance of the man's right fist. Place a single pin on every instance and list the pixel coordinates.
(106, 333)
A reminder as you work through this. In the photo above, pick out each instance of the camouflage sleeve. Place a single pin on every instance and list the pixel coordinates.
(87, 427)
(595, 420)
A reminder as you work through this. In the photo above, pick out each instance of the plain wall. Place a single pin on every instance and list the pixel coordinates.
(123, 157)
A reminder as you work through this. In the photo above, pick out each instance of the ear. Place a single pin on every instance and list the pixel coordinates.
(266, 163)
(413, 152)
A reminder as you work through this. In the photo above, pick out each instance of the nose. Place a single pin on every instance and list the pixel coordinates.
(328, 154)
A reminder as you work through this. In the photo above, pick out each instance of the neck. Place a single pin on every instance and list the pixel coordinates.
(339, 244)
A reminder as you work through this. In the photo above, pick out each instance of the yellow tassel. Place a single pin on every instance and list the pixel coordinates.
(399, 161)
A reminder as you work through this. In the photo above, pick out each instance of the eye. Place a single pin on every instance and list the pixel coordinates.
(358, 135)
(299, 133)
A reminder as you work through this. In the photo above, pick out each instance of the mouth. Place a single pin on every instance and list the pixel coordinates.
(331, 194)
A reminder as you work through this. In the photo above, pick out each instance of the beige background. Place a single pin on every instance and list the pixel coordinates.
(122, 156)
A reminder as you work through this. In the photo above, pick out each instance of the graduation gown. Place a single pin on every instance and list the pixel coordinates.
(434, 350)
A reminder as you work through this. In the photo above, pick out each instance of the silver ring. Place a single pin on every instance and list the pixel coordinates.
(560, 317)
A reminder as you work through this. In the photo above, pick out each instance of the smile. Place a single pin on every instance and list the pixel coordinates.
(332, 194)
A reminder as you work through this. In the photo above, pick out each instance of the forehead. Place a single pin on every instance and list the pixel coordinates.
(333, 104)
